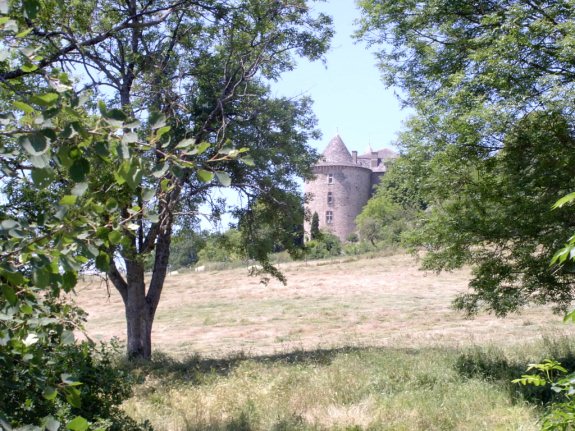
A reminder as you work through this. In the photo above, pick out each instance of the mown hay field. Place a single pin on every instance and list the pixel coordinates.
(382, 301)
(349, 344)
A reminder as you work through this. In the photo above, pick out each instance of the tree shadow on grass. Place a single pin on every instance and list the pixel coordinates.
(493, 365)
(198, 370)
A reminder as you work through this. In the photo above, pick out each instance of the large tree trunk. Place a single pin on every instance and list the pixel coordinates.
(141, 305)
(138, 313)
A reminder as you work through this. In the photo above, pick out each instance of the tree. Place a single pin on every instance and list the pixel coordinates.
(47, 379)
(492, 86)
(185, 82)
(396, 205)
(314, 231)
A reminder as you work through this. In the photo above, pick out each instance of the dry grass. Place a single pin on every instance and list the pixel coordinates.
(383, 301)
(413, 366)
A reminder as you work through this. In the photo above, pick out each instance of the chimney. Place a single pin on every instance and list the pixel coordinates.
(374, 159)
(354, 157)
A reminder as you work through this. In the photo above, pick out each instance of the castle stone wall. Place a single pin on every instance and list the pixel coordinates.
(350, 188)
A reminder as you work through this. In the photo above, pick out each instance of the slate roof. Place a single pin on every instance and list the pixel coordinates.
(383, 155)
(336, 153)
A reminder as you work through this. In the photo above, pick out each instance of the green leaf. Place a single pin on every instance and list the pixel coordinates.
(103, 262)
(157, 120)
(564, 200)
(9, 294)
(41, 161)
(223, 178)
(79, 189)
(165, 184)
(35, 144)
(42, 178)
(68, 338)
(129, 173)
(154, 218)
(23, 107)
(185, 144)
(205, 176)
(69, 280)
(160, 170)
(26, 308)
(79, 169)
(50, 393)
(4, 339)
(162, 131)
(9, 224)
(17, 233)
(148, 194)
(129, 138)
(41, 277)
(13, 277)
(50, 423)
(27, 67)
(78, 423)
(30, 340)
(115, 117)
(115, 237)
(202, 147)
(69, 379)
(47, 99)
(248, 160)
(68, 200)
(569, 317)
(111, 204)
(31, 8)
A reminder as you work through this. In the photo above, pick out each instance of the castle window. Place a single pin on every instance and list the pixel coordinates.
(330, 178)
(329, 217)
(329, 198)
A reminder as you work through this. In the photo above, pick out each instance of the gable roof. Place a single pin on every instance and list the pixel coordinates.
(384, 153)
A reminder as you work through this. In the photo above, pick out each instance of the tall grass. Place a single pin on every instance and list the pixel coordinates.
(347, 389)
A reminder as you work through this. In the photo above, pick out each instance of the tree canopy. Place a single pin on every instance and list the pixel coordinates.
(185, 87)
(492, 84)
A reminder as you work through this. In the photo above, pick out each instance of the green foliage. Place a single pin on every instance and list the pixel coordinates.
(52, 152)
(187, 114)
(382, 389)
(314, 230)
(185, 248)
(327, 245)
(473, 200)
(222, 247)
(561, 414)
(263, 232)
(396, 205)
(495, 138)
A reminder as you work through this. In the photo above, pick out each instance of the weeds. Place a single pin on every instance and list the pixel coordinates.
(342, 389)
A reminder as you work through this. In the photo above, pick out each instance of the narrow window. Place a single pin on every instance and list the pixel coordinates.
(329, 217)
(330, 178)
(329, 198)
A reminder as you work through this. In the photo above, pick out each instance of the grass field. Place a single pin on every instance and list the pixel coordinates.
(348, 344)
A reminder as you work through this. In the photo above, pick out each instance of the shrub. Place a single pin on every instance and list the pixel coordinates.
(327, 245)
(47, 379)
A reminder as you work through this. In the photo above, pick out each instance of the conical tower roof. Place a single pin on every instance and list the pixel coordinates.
(336, 153)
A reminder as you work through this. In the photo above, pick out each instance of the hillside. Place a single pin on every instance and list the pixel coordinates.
(384, 301)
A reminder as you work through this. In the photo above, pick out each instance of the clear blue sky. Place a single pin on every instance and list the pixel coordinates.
(349, 97)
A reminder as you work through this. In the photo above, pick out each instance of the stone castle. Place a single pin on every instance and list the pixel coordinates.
(342, 186)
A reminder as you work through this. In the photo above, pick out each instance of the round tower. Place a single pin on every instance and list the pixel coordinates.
(339, 191)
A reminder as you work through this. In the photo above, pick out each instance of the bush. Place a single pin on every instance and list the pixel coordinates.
(47, 379)
(327, 245)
